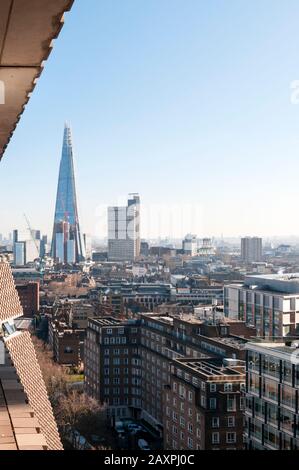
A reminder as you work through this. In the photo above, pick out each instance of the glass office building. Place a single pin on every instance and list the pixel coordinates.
(66, 232)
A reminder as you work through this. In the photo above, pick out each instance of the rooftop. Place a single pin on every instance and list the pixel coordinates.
(214, 368)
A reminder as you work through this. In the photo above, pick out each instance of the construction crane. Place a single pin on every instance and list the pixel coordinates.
(32, 234)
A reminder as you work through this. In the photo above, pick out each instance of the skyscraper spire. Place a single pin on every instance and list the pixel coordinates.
(67, 243)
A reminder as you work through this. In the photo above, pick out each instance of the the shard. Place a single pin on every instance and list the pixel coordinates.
(67, 241)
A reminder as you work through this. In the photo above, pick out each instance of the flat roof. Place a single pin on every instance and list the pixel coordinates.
(27, 30)
(213, 367)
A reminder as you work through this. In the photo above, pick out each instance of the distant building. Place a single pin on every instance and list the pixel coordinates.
(251, 249)
(19, 253)
(124, 231)
(67, 241)
(144, 249)
(190, 245)
(26, 251)
(88, 245)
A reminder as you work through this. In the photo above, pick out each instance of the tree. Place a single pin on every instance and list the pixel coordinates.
(78, 411)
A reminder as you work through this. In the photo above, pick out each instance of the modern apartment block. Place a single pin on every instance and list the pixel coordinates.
(203, 405)
(270, 303)
(129, 363)
(272, 392)
(124, 231)
(251, 249)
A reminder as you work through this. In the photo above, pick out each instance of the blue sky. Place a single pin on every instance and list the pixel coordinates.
(186, 101)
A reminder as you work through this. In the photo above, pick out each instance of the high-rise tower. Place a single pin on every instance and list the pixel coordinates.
(67, 242)
(124, 231)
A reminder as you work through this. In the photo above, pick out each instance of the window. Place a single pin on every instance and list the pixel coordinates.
(231, 403)
(203, 401)
(230, 437)
(215, 438)
(213, 403)
(190, 428)
(228, 387)
(230, 421)
(215, 422)
(213, 388)
(109, 331)
(190, 443)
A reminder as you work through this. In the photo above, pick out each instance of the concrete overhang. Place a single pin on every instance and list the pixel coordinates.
(27, 31)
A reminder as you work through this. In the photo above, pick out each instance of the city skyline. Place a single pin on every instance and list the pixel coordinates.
(196, 136)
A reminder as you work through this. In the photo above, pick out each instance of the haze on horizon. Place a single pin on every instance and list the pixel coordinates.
(187, 103)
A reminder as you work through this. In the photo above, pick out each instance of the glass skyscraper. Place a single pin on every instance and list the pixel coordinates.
(67, 242)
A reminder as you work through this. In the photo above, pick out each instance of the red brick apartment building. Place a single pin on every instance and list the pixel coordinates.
(29, 298)
(130, 365)
(204, 405)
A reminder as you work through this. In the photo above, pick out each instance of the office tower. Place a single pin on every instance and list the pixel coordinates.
(251, 249)
(190, 245)
(124, 231)
(268, 302)
(15, 236)
(88, 245)
(19, 253)
(67, 242)
(36, 234)
(43, 246)
(134, 217)
(272, 388)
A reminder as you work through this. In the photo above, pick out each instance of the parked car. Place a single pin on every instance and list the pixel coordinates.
(134, 428)
(143, 445)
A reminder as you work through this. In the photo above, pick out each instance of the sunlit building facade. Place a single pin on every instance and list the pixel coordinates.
(67, 241)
